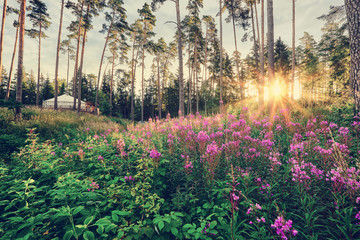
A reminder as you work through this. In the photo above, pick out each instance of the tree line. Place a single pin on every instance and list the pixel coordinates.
(315, 71)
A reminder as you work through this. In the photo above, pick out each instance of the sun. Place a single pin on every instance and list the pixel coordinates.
(276, 90)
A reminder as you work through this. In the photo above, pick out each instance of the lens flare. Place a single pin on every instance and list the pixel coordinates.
(276, 90)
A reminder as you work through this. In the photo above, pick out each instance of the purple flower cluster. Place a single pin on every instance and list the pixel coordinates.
(302, 172)
(155, 154)
(93, 186)
(283, 228)
(128, 178)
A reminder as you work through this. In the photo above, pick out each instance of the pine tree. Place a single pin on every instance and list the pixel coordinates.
(40, 19)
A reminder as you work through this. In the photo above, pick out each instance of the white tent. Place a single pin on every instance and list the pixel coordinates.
(64, 101)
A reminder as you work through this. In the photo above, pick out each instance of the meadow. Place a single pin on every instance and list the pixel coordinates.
(240, 175)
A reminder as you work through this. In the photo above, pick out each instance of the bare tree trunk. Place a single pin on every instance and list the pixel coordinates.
(67, 72)
(206, 53)
(101, 62)
(2, 38)
(133, 79)
(262, 57)
(190, 85)
(293, 52)
(181, 74)
(38, 80)
(20, 60)
(57, 58)
(112, 82)
(353, 16)
(81, 64)
(142, 74)
(12, 64)
(196, 76)
(255, 46)
(77, 57)
(221, 60)
(158, 85)
(271, 60)
(237, 60)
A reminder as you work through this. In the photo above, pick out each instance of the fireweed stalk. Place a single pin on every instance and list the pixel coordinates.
(234, 198)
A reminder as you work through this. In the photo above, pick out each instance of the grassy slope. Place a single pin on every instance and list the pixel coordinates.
(61, 125)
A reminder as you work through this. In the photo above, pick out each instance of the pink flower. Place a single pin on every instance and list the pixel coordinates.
(129, 178)
(155, 154)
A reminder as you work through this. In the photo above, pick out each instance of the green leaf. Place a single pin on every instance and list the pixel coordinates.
(114, 217)
(120, 234)
(213, 224)
(81, 226)
(174, 231)
(188, 225)
(88, 220)
(78, 209)
(68, 235)
(88, 235)
(121, 213)
(161, 225)
(156, 220)
(100, 229)
(16, 219)
(103, 221)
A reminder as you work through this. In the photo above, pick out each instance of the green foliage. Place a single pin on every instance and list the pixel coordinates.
(158, 180)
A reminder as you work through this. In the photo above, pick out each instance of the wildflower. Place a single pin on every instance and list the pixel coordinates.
(278, 127)
(93, 186)
(283, 228)
(129, 178)
(188, 165)
(52, 153)
(100, 158)
(120, 145)
(155, 154)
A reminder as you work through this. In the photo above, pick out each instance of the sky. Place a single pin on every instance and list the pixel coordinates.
(307, 12)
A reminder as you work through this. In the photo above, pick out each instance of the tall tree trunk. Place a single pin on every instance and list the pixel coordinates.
(12, 64)
(77, 57)
(206, 53)
(262, 57)
(181, 74)
(112, 82)
(353, 16)
(190, 84)
(142, 74)
(39, 59)
(196, 76)
(81, 63)
(133, 79)
(101, 62)
(293, 52)
(57, 57)
(2, 38)
(205, 61)
(20, 59)
(271, 60)
(221, 60)
(158, 85)
(255, 46)
(237, 58)
(67, 71)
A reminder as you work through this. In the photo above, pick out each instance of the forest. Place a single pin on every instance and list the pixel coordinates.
(179, 135)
